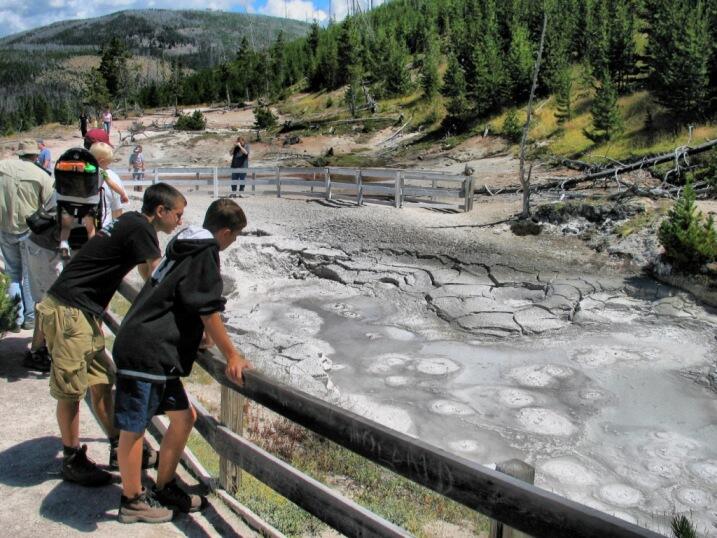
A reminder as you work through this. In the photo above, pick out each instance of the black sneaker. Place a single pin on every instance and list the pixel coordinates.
(37, 360)
(172, 496)
(143, 508)
(28, 325)
(77, 467)
(150, 456)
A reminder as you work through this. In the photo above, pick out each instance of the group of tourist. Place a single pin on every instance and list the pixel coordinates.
(176, 311)
(106, 121)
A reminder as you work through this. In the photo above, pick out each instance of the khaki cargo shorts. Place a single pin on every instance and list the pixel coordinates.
(75, 341)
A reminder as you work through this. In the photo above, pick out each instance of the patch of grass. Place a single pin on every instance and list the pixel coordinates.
(277, 510)
(637, 223)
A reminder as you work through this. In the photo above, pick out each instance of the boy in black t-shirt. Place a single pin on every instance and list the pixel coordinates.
(157, 344)
(70, 318)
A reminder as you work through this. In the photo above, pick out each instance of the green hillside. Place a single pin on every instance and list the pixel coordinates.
(46, 71)
(202, 38)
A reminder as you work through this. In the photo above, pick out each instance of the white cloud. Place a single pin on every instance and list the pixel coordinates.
(293, 9)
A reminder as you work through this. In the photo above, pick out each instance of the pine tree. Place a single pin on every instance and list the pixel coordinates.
(454, 81)
(349, 50)
(688, 241)
(430, 79)
(563, 97)
(512, 128)
(621, 46)
(488, 84)
(396, 77)
(278, 63)
(95, 93)
(113, 65)
(607, 121)
(520, 62)
(679, 54)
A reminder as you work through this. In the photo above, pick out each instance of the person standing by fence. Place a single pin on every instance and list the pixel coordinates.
(136, 166)
(240, 159)
(157, 344)
(107, 120)
(24, 188)
(83, 123)
(71, 320)
(44, 159)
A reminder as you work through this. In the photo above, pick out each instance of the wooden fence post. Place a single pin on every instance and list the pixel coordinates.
(278, 182)
(328, 184)
(155, 180)
(522, 471)
(253, 181)
(231, 415)
(215, 182)
(397, 191)
(359, 186)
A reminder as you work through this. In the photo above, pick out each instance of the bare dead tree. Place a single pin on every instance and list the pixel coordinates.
(525, 180)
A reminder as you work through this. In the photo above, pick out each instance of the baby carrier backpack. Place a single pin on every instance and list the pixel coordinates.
(77, 183)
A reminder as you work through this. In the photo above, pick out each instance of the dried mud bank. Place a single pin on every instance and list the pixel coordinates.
(487, 345)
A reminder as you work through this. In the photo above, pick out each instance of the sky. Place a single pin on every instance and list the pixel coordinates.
(19, 15)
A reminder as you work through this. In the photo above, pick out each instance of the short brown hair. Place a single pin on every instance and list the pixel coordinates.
(160, 194)
(224, 213)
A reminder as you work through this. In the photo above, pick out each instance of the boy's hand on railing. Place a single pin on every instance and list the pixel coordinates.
(236, 364)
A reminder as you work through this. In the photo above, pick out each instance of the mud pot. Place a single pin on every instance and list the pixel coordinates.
(392, 314)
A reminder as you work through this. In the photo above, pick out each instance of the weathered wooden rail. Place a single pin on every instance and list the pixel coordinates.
(397, 187)
(513, 502)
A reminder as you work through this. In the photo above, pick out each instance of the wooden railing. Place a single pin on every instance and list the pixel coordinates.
(515, 503)
(395, 186)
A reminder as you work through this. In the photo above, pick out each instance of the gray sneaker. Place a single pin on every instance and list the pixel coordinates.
(143, 508)
(77, 467)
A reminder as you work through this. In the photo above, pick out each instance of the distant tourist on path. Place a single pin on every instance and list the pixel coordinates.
(107, 120)
(44, 159)
(136, 166)
(83, 123)
(71, 319)
(240, 159)
(24, 188)
(157, 344)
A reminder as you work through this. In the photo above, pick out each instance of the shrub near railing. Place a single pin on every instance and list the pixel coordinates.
(515, 503)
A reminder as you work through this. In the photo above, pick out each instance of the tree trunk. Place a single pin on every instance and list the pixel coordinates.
(525, 181)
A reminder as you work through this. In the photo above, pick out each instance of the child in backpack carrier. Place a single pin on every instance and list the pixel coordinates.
(79, 177)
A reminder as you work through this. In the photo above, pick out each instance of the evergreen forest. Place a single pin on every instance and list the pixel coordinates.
(476, 56)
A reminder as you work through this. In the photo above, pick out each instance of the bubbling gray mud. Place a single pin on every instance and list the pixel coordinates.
(587, 379)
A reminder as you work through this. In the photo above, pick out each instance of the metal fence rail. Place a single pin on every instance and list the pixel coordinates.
(396, 186)
(515, 503)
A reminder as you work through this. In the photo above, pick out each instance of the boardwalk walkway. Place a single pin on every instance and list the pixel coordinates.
(34, 501)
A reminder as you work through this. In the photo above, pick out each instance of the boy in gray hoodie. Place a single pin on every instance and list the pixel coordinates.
(157, 344)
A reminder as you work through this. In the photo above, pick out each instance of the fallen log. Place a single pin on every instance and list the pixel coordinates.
(566, 183)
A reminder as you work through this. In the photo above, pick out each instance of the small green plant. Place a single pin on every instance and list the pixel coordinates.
(194, 122)
(329, 102)
(688, 240)
(8, 307)
(682, 527)
(263, 118)
(512, 129)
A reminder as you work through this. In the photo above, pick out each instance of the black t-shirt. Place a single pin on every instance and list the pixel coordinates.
(93, 275)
